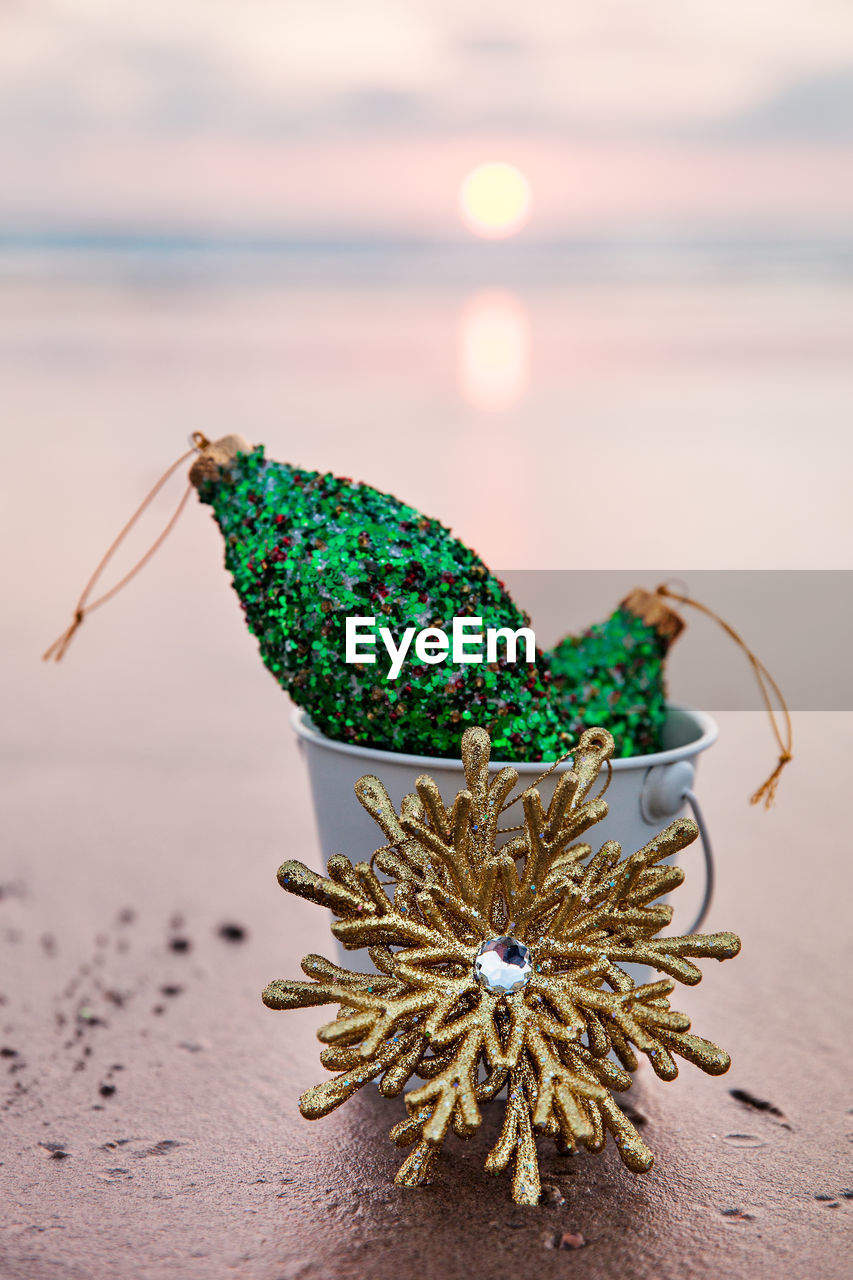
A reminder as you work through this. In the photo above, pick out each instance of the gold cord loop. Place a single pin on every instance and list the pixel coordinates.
(58, 649)
(766, 684)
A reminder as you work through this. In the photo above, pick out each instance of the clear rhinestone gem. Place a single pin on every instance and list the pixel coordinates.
(503, 965)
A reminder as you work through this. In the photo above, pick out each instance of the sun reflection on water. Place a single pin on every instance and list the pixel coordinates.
(493, 350)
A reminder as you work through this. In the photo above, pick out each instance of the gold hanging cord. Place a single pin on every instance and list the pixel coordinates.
(58, 649)
(784, 733)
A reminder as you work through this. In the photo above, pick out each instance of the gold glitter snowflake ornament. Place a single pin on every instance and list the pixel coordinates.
(501, 966)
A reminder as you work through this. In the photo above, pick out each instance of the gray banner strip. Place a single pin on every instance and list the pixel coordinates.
(799, 622)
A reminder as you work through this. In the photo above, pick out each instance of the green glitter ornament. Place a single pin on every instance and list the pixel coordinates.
(614, 673)
(307, 550)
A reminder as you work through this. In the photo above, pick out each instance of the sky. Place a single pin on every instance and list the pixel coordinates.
(361, 117)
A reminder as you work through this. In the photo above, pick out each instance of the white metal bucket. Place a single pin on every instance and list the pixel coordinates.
(645, 794)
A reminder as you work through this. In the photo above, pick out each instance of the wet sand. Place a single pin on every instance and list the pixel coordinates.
(149, 1114)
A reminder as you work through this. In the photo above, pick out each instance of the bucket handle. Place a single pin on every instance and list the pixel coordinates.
(667, 788)
(708, 857)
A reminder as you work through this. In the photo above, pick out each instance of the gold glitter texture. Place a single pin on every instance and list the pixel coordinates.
(561, 1045)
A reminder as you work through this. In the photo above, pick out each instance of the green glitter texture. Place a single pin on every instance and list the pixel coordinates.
(613, 675)
(306, 550)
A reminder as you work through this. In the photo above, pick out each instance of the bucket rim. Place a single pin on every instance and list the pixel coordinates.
(705, 726)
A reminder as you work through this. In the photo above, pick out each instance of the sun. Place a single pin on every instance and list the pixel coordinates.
(495, 200)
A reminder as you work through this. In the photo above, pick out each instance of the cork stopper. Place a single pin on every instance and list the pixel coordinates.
(653, 610)
(213, 456)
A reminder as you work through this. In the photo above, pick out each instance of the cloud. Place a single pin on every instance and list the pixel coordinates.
(377, 109)
(817, 108)
(490, 45)
(356, 67)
